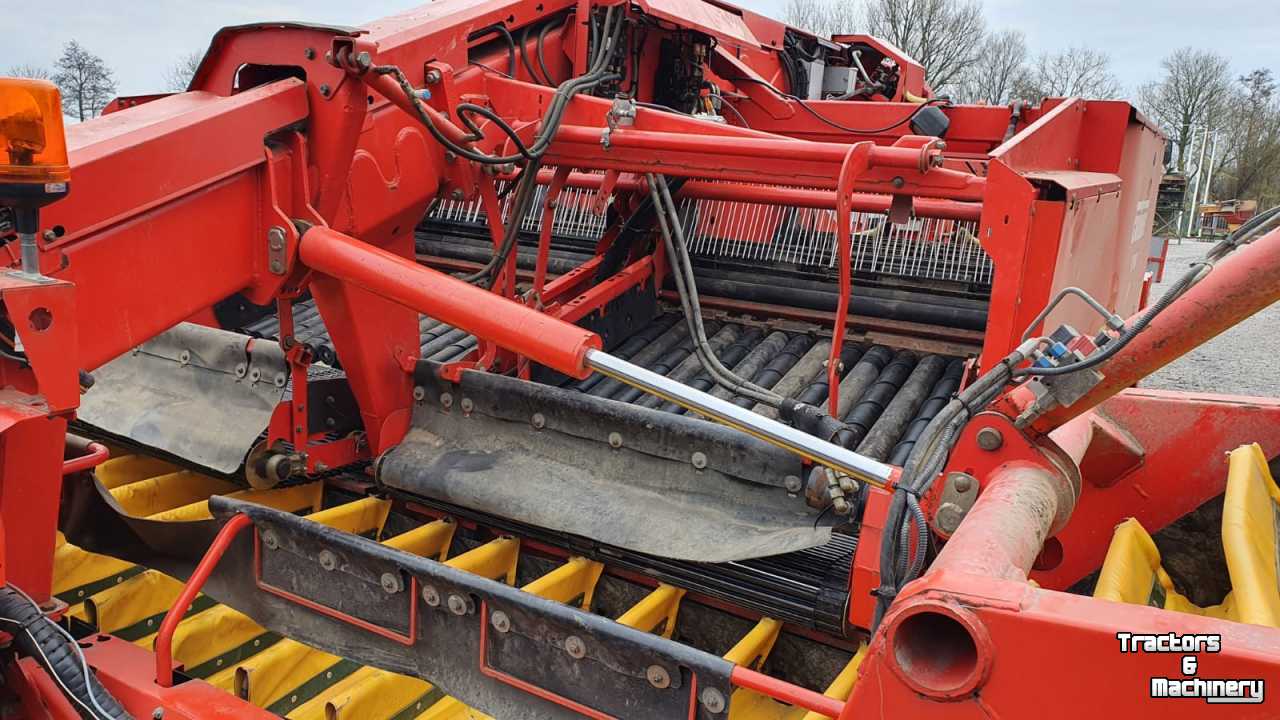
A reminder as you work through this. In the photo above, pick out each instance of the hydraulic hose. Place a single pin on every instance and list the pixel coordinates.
(36, 636)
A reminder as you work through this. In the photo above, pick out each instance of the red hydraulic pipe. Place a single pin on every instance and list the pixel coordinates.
(523, 330)
(1245, 282)
(97, 453)
(1005, 529)
(780, 195)
(387, 87)
(164, 637)
(786, 692)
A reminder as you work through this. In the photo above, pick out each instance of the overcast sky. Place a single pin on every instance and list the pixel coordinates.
(141, 39)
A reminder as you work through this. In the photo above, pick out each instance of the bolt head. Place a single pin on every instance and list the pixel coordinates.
(615, 440)
(433, 76)
(961, 482)
(712, 700)
(658, 676)
(457, 194)
(575, 647)
(948, 517)
(391, 583)
(270, 539)
(699, 460)
(431, 596)
(459, 605)
(793, 483)
(328, 560)
(500, 621)
(467, 405)
(419, 393)
(538, 421)
(309, 53)
(446, 400)
(990, 439)
(325, 90)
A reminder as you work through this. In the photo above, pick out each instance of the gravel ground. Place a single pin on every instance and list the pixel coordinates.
(1244, 360)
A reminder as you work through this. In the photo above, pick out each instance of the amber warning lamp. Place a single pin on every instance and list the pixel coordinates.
(33, 157)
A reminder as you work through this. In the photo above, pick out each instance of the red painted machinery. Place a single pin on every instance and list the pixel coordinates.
(400, 342)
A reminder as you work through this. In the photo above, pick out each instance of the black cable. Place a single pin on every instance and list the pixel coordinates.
(464, 112)
(844, 128)
(524, 56)
(542, 62)
(501, 30)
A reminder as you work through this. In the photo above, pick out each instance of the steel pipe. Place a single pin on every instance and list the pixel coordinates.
(822, 452)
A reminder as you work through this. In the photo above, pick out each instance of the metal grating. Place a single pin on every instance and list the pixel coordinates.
(921, 248)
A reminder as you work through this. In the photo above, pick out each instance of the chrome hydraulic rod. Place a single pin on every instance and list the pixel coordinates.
(839, 459)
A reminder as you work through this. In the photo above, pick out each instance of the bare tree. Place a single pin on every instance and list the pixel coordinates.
(942, 35)
(178, 77)
(1250, 136)
(1075, 72)
(823, 18)
(1195, 85)
(35, 72)
(86, 82)
(999, 68)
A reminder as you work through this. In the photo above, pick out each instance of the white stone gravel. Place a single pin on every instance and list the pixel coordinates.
(1244, 360)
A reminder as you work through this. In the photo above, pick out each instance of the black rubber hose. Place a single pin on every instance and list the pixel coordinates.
(38, 637)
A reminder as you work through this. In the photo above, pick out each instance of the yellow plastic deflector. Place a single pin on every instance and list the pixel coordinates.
(1250, 523)
(1131, 573)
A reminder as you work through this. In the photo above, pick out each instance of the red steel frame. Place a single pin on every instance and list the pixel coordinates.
(342, 160)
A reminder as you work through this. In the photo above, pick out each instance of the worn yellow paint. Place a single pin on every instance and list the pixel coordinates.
(366, 693)
(74, 567)
(430, 540)
(266, 677)
(495, 559)
(1132, 570)
(140, 597)
(147, 497)
(125, 469)
(842, 687)
(658, 608)
(359, 517)
(295, 498)
(209, 634)
(573, 579)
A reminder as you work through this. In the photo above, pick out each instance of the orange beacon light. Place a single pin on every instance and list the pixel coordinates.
(33, 158)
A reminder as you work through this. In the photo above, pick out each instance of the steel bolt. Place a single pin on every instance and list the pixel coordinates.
(275, 238)
(712, 700)
(430, 596)
(459, 605)
(309, 53)
(538, 421)
(433, 76)
(615, 440)
(419, 393)
(575, 647)
(184, 357)
(699, 460)
(456, 194)
(328, 560)
(242, 370)
(658, 676)
(391, 583)
(500, 621)
(793, 483)
(467, 405)
(321, 467)
(325, 90)
(898, 182)
(277, 267)
(990, 439)
(270, 540)
(962, 482)
(157, 714)
(948, 517)
(446, 400)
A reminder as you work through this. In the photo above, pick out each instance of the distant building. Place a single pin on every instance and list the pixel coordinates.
(1224, 216)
